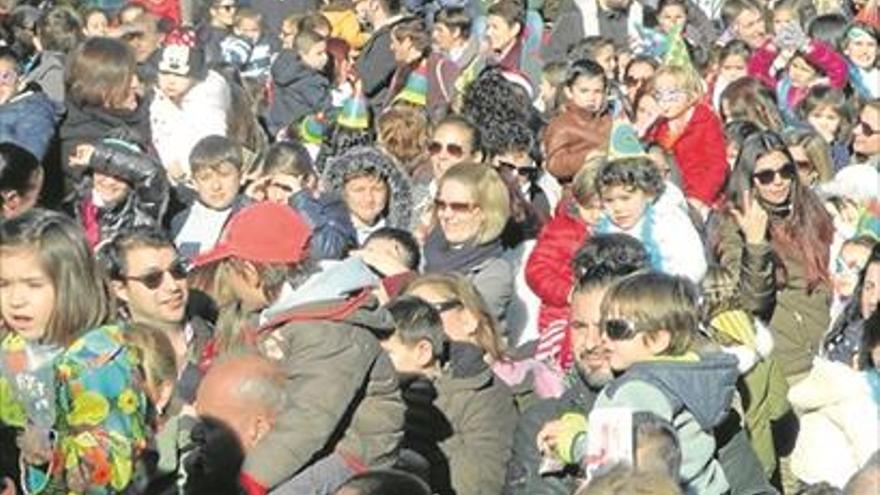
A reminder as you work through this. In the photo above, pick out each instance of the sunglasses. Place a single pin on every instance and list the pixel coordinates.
(765, 177)
(618, 329)
(445, 306)
(154, 279)
(455, 206)
(866, 129)
(634, 81)
(454, 150)
(522, 171)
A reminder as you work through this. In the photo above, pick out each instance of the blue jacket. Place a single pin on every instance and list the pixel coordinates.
(29, 120)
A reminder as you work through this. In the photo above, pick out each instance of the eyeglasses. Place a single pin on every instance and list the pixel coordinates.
(445, 306)
(866, 129)
(528, 172)
(662, 95)
(618, 329)
(455, 206)
(154, 279)
(765, 177)
(454, 150)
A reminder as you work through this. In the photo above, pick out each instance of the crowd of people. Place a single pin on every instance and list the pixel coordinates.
(441, 247)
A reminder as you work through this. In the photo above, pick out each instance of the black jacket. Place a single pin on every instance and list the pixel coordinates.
(376, 66)
(299, 91)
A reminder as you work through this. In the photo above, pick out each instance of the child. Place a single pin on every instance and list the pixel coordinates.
(286, 170)
(51, 294)
(650, 323)
(470, 454)
(860, 47)
(95, 22)
(300, 86)
(745, 337)
(552, 77)
(582, 125)
(629, 189)
(248, 48)
(830, 113)
(216, 164)
(58, 32)
(691, 130)
(793, 63)
(850, 260)
(732, 60)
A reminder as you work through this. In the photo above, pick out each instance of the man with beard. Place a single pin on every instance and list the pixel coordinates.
(601, 261)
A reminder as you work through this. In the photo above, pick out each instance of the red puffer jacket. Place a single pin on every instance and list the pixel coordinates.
(550, 276)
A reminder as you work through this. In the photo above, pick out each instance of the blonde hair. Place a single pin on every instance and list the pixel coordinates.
(459, 287)
(655, 302)
(403, 132)
(583, 185)
(489, 193)
(155, 354)
(720, 291)
(686, 78)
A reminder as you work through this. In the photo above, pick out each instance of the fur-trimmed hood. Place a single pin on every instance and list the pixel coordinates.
(366, 159)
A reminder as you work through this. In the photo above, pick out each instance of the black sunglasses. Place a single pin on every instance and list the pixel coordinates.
(866, 129)
(445, 306)
(618, 329)
(528, 172)
(154, 279)
(435, 147)
(786, 172)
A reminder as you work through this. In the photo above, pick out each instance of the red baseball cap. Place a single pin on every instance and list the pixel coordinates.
(262, 232)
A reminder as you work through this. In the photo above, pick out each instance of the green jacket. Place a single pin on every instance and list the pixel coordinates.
(797, 318)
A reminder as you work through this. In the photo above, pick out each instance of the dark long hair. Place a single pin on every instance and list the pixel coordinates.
(852, 312)
(802, 227)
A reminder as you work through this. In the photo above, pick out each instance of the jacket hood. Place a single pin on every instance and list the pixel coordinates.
(704, 387)
(369, 160)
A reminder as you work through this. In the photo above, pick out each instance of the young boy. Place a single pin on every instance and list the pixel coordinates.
(299, 84)
(649, 322)
(247, 48)
(460, 418)
(216, 164)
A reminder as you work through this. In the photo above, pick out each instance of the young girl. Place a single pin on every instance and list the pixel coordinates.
(745, 337)
(629, 189)
(286, 170)
(860, 47)
(691, 130)
(794, 63)
(830, 113)
(51, 294)
(552, 78)
(732, 60)
(583, 124)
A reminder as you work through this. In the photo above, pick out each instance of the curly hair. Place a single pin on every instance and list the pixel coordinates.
(638, 173)
(403, 132)
(607, 257)
(493, 103)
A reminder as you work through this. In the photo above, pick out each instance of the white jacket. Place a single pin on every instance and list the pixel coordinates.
(839, 423)
(202, 112)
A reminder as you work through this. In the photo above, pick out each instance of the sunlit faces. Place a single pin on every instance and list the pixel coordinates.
(459, 324)
(826, 121)
(166, 304)
(586, 93)
(500, 34)
(672, 99)
(450, 145)
(867, 132)
(460, 217)
(403, 50)
(96, 24)
(217, 185)
(109, 190)
(776, 163)
(623, 353)
(518, 163)
(316, 56)
(671, 16)
(870, 289)
(590, 351)
(366, 197)
(781, 17)
(801, 72)
(861, 48)
(444, 38)
(249, 29)
(624, 205)
(732, 68)
(174, 86)
(27, 293)
(749, 27)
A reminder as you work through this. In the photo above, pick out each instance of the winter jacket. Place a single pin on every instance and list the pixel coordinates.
(29, 119)
(797, 318)
(177, 128)
(699, 152)
(549, 271)
(376, 65)
(442, 74)
(838, 423)
(344, 394)
(333, 234)
(695, 395)
(462, 423)
(570, 137)
(299, 91)
(48, 72)
(189, 250)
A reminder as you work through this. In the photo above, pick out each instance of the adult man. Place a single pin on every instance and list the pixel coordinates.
(747, 21)
(867, 133)
(376, 64)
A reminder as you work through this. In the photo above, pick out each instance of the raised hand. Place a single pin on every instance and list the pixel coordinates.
(752, 219)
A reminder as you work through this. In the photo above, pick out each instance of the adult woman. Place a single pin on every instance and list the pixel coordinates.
(472, 207)
(376, 193)
(811, 154)
(21, 180)
(512, 36)
(748, 99)
(402, 132)
(777, 237)
(842, 342)
(102, 95)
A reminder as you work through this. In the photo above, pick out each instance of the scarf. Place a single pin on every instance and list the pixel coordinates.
(442, 257)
